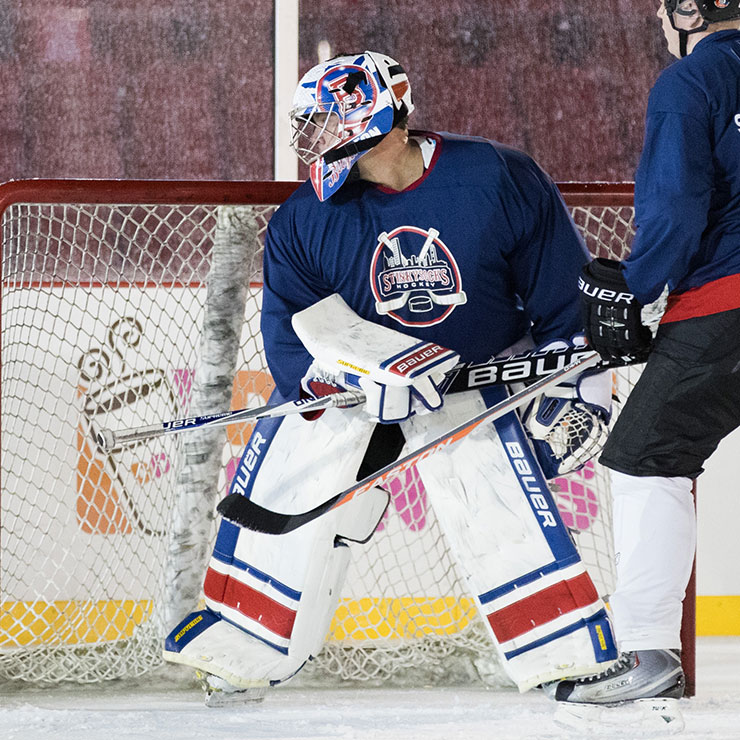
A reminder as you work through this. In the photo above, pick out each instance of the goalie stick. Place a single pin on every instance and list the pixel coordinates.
(519, 368)
(244, 512)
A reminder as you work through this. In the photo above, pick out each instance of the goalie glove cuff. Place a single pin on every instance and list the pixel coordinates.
(318, 382)
(594, 389)
(426, 391)
(389, 404)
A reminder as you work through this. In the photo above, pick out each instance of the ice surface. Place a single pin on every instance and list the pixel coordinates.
(166, 706)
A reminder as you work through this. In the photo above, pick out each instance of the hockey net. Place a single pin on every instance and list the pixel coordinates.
(127, 303)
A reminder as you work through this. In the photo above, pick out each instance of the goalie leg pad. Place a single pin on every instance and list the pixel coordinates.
(493, 503)
(213, 646)
(272, 597)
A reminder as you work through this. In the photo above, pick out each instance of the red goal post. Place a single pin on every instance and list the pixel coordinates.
(107, 290)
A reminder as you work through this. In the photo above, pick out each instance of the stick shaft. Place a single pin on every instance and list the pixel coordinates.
(108, 439)
(246, 513)
(517, 368)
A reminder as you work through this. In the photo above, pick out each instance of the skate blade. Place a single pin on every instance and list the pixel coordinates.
(245, 697)
(641, 718)
(219, 693)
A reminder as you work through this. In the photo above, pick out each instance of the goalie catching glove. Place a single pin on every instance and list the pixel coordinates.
(612, 316)
(569, 425)
(399, 375)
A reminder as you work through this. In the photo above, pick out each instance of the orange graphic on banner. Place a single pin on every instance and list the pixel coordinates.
(98, 508)
(247, 384)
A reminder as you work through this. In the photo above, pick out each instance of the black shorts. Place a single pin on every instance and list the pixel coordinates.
(685, 402)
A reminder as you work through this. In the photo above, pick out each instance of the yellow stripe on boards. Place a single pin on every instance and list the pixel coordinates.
(26, 623)
(717, 615)
(391, 619)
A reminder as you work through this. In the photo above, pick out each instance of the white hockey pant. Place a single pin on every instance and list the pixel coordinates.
(276, 595)
(493, 503)
(655, 540)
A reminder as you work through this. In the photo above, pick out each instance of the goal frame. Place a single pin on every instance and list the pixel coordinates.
(211, 192)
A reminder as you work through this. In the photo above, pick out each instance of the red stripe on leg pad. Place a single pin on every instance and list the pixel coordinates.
(552, 602)
(270, 614)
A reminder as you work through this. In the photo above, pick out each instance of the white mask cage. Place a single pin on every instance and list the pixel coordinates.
(315, 133)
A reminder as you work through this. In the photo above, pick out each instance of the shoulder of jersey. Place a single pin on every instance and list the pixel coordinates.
(477, 157)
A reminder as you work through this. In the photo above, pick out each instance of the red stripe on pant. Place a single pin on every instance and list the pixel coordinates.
(272, 615)
(537, 609)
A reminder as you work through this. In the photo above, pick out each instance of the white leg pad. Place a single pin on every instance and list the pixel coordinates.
(271, 598)
(531, 587)
(224, 650)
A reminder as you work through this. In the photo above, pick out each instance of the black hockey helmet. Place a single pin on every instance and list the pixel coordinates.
(716, 11)
(711, 11)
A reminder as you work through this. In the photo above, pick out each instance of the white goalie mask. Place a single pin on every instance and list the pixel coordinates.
(343, 108)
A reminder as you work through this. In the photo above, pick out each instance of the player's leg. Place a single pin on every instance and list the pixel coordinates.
(686, 401)
(269, 599)
(494, 505)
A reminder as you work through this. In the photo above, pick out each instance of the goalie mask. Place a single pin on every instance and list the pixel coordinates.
(711, 11)
(343, 108)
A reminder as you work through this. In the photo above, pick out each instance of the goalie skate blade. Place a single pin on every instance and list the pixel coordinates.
(220, 693)
(640, 718)
(245, 697)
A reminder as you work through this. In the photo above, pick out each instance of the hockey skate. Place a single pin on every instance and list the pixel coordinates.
(638, 693)
(232, 666)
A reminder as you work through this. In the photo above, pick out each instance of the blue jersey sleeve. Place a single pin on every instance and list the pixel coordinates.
(675, 179)
(548, 254)
(673, 189)
(288, 287)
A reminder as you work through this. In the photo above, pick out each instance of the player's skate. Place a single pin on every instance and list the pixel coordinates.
(639, 692)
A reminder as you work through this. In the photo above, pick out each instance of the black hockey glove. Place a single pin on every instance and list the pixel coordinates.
(612, 315)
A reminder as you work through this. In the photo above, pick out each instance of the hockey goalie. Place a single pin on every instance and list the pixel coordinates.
(404, 253)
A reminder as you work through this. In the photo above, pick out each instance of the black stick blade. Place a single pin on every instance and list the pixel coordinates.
(245, 513)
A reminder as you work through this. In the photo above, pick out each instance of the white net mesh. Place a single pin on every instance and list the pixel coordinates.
(103, 309)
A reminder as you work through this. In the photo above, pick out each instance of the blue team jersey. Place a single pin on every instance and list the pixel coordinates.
(475, 254)
(687, 186)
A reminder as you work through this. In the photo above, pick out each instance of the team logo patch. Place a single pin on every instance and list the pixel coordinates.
(414, 277)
